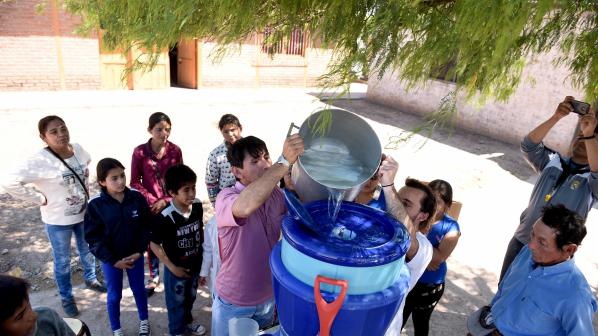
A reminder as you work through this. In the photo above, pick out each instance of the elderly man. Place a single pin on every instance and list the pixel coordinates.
(543, 292)
(571, 181)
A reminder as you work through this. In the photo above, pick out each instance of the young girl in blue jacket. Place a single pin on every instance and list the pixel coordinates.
(117, 230)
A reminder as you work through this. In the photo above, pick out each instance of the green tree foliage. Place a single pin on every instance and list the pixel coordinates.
(489, 40)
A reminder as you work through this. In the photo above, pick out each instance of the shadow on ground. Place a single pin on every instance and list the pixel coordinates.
(25, 249)
(507, 156)
(464, 293)
(26, 252)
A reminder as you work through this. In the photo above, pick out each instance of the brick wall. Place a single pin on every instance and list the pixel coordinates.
(31, 54)
(248, 67)
(543, 86)
(29, 50)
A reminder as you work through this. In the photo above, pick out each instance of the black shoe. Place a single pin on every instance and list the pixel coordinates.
(486, 319)
(96, 285)
(70, 308)
(151, 286)
(196, 329)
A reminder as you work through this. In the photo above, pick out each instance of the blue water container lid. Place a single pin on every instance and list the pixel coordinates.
(378, 238)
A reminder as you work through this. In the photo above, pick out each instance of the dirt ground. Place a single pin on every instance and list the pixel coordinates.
(489, 177)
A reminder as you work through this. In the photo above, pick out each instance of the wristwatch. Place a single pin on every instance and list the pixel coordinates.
(282, 160)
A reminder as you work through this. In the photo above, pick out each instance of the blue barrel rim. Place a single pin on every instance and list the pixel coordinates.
(302, 240)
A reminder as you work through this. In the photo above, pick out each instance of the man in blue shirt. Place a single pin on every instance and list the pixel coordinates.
(543, 292)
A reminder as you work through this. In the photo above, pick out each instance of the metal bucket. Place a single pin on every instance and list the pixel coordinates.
(360, 140)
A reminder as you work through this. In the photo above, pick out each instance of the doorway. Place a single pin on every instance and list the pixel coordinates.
(173, 60)
(183, 64)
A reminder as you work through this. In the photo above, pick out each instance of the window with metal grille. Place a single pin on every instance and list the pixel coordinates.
(292, 44)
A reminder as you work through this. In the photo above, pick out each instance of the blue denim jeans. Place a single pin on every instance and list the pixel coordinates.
(222, 311)
(153, 264)
(114, 283)
(60, 240)
(180, 295)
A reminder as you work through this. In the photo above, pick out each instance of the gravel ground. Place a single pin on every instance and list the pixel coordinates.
(489, 177)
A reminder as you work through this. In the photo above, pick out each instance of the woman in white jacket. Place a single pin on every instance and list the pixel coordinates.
(56, 178)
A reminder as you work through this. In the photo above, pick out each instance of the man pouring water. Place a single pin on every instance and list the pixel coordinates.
(249, 216)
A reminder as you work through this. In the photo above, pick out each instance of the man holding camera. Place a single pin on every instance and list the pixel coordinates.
(571, 181)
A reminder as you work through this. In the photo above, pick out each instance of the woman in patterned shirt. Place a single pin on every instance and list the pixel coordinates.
(218, 177)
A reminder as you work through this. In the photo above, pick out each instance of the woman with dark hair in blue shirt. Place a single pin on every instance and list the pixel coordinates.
(444, 234)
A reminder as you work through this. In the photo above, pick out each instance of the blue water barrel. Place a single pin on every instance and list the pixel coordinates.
(371, 261)
(368, 314)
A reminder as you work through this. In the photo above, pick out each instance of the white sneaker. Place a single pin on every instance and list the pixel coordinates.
(118, 332)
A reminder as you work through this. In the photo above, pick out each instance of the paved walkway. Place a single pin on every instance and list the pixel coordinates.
(489, 177)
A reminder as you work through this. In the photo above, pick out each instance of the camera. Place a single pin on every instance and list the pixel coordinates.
(579, 107)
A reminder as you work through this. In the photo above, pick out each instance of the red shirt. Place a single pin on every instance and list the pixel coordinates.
(147, 171)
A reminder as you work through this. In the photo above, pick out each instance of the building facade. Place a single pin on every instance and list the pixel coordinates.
(40, 51)
(543, 86)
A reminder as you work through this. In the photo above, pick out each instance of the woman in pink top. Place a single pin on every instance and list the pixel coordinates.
(150, 162)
